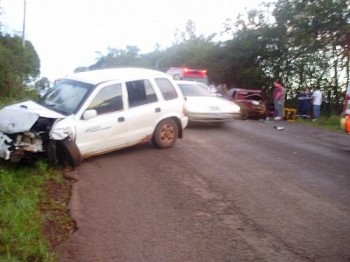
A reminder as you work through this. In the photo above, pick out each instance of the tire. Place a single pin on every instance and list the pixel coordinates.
(52, 152)
(166, 134)
(68, 153)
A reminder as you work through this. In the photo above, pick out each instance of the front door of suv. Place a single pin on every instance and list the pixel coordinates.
(108, 130)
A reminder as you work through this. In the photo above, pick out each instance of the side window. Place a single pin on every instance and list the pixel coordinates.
(140, 92)
(108, 100)
(167, 88)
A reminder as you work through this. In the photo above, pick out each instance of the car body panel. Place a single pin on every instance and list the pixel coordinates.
(21, 117)
(202, 107)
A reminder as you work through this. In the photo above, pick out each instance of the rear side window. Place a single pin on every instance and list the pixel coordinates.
(108, 100)
(140, 92)
(167, 88)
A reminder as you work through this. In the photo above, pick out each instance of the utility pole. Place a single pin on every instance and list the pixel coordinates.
(24, 22)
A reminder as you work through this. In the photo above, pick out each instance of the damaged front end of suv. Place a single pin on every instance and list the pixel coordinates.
(28, 130)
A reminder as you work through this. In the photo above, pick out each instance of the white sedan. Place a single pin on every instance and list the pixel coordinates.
(203, 107)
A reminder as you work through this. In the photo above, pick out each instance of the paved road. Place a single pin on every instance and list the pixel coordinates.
(242, 192)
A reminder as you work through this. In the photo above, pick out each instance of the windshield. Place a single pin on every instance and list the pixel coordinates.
(66, 96)
(195, 89)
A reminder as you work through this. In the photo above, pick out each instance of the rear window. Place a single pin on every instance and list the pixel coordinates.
(194, 89)
(167, 89)
(249, 96)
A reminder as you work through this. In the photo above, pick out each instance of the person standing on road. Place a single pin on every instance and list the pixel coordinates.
(307, 103)
(278, 99)
(301, 101)
(304, 103)
(316, 103)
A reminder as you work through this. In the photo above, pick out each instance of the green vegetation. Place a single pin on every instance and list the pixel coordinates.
(19, 64)
(22, 217)
(22, 95)
(329, 122)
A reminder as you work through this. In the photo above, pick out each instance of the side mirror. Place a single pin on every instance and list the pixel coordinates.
(91, 113)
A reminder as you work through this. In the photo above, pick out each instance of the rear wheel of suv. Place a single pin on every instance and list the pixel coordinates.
(166, 134)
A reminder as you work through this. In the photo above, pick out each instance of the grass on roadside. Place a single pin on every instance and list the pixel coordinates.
(21, 220)
(329, 122)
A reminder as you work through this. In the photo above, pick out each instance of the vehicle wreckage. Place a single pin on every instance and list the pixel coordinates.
(28, 128)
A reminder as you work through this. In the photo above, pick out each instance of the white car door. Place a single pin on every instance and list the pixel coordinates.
(107, 130)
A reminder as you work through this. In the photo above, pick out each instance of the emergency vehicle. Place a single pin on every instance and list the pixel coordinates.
(185, 73)
(345, 117)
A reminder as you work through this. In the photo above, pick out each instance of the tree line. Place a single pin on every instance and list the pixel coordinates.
(303, 43)
(19, 64)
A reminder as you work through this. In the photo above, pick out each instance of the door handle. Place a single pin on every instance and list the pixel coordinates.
(157, 110)
(121, 119)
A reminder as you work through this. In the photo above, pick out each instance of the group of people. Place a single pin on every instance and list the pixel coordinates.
(305, 100)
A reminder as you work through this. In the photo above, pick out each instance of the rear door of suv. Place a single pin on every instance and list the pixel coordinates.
(150, 101)
(143, 109)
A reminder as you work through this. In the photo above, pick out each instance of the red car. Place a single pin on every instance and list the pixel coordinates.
(251, 102)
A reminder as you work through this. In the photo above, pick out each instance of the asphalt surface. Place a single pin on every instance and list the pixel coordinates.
(243, 192)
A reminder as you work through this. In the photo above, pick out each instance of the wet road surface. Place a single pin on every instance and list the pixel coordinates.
(242, 192)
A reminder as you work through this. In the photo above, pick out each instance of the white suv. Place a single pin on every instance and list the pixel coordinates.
(95, 112)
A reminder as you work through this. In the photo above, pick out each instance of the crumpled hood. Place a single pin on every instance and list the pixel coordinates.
(22, 116)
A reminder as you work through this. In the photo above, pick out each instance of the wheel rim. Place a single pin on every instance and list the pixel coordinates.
(167, 134)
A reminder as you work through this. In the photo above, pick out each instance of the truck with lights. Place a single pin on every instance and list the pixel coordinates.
(185, 73)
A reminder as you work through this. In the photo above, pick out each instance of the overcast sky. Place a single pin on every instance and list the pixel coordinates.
(68, 33)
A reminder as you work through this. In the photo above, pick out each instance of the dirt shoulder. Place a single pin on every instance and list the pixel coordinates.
(59, 225)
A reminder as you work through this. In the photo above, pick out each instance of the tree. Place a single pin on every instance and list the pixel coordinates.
(317, 34)
(119, 57)
(42, 84)
(18, 65)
